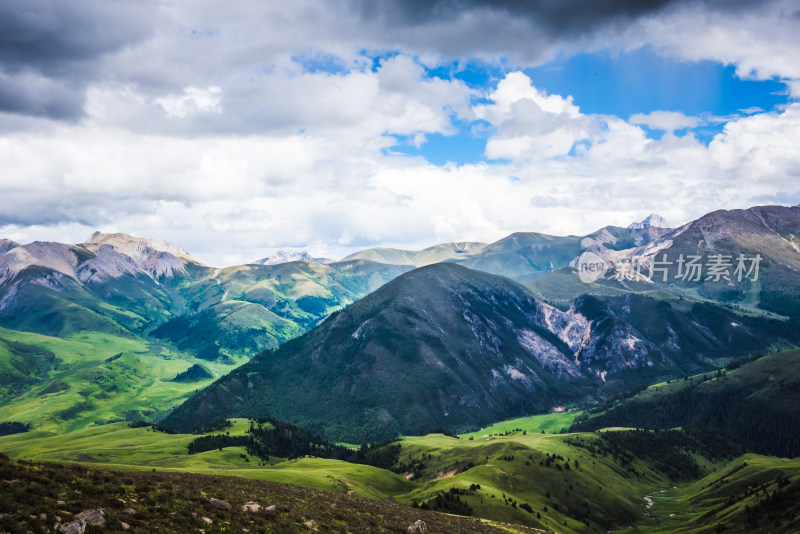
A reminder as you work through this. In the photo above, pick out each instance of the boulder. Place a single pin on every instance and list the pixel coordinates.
(419, 527)
(216, 503)
(73, 527)
(251, 506)
(91, 517)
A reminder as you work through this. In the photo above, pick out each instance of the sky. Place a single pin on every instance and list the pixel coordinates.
(235, 129)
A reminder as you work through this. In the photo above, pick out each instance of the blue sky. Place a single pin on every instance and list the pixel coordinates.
(610, 83)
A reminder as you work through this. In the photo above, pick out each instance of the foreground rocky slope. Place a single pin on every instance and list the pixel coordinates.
(35, 497)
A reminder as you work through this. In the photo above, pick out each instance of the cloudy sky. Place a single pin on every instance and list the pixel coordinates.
(238, 128)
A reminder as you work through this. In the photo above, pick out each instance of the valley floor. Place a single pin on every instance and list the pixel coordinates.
(510, 473)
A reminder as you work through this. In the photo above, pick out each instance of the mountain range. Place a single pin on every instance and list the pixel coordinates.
(446, 347)
(109, 346)
(183, 313)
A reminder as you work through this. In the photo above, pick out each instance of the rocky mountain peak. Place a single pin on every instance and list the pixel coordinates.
(652, 221)
(6, 245)
(137, 248)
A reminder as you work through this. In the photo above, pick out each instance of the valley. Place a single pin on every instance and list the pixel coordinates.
(572, 482)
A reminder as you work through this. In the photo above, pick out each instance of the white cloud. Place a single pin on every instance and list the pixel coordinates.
(215, 131)
(762, 43)
(530, 124)
(233, 199)
(192, 100)
(761, 150)
(668, 121)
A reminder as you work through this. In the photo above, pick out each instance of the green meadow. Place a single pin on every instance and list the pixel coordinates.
(92, 378)
(567, 486)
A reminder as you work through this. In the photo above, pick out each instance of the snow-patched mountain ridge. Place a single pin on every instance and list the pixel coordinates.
(652, 221)
(100, 258)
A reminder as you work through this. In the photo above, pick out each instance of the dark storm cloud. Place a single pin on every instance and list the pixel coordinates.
(556, 18)
(49, 50)
(44, 33)
(28, 93)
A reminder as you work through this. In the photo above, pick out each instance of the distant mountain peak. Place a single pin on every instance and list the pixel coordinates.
(153, 256)
(6, 245)
(286, 256)
(138, 246)
(652, 221)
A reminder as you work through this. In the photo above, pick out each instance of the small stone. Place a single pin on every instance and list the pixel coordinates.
(216, 503)
(42, 516)
(270, 509)
(129, 511)
(309, 524)
(208, 520)
(419, 527)
(61, 503)
(251, 506)
(124, 525)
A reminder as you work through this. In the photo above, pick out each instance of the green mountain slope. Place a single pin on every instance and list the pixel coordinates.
(440, 346)
(91, 378)
(66, 309)
(525, 255)
(756, 405)
(448, 347)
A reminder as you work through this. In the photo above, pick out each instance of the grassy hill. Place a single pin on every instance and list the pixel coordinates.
(572, 483)
(91, 378)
